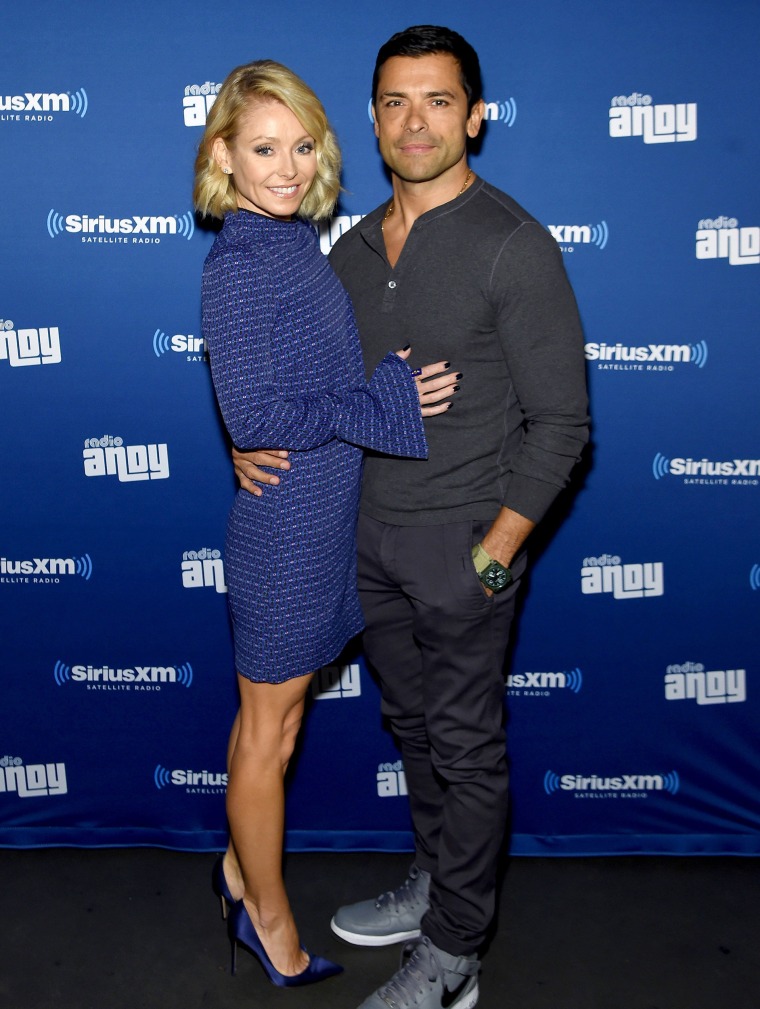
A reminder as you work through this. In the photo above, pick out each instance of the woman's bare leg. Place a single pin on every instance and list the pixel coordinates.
(261, 744)
(232, 872)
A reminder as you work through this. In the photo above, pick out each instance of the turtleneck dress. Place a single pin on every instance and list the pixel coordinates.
(288, 374)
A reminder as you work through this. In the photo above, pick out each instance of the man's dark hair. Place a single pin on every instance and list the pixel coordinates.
(424, 39)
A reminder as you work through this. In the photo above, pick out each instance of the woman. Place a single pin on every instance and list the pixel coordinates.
(287, 371)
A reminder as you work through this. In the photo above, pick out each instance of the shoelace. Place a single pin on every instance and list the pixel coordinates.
(404, 896)
(409, 979)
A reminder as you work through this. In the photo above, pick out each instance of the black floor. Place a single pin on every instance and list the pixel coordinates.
(140, 929)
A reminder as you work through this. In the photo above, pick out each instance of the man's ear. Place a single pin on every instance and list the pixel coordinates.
(475, 118)
(374, 120)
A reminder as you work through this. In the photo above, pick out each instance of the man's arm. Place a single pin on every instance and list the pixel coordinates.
(507, 534)
(542, 341)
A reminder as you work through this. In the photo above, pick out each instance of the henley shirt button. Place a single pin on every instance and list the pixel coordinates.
(391, 284)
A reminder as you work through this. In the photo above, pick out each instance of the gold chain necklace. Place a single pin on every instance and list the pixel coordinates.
(392, 205)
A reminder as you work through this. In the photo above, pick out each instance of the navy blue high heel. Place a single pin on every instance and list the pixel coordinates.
(219, 886)
(242, 931)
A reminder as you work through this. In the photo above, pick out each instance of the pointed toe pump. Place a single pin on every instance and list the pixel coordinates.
(243, 933)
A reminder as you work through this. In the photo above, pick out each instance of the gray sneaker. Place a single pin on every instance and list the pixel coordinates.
(428, 978)
(393, 917)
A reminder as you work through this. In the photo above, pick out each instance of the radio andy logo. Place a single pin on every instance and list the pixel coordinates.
(197, 102)
(722, 238)
(24, 347)
(391, 780)
(636, 115)
(337, 682)
(693, 682)
(202, 569)
(607, 574)
(109, 456)
(30, 780)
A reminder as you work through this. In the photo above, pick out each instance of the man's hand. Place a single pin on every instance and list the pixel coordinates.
(505, 537)
(250, 475)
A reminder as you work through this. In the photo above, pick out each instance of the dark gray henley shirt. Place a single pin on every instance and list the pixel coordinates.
(481, 284)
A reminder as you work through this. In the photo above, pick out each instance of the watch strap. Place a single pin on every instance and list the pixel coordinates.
(480, 558)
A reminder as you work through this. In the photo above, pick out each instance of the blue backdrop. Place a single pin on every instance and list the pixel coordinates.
(631, 132)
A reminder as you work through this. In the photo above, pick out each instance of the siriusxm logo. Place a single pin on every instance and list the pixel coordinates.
(44, 570)
(541, 684)
(722, 238)
(202, 569)
(636, 116)
(21, 347)
(570, 235)
(738, 472)
(691, 681)
(391, 780)
(194, 782)
(194, 347)
(624, 581)
(109, 456)
(28, 780)
(754, 577)
(121, 230)
(501, 112)
(330, 231)
(197, 102)
(41, 107)
(110, 678)
(624, 785)
(652, 357)
(335, 682)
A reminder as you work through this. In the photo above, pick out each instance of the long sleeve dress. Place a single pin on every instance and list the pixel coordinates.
(288, 374)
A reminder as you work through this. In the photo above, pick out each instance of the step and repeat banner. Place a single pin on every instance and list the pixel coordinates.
(632, 694)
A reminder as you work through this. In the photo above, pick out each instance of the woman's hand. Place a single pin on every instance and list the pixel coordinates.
(250, 475)
(436, 384)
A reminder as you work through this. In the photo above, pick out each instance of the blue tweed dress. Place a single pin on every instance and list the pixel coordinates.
(288, 374)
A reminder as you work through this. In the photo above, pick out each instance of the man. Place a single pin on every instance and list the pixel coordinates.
(459, 270)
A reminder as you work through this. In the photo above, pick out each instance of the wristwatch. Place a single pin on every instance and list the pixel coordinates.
(491, 573)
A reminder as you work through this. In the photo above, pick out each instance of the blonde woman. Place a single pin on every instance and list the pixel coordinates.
(287, 371)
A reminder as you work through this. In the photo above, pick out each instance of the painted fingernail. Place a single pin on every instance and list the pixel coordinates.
(449, 406)
(458, 375)
(456, 388)
(406, 346)
(447, 364)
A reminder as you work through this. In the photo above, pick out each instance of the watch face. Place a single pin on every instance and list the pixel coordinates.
(496, 577)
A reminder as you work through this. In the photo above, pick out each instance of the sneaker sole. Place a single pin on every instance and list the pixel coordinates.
(358, 939)
(469, 1001)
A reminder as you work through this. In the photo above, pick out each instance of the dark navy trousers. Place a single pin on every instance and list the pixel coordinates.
(437, 643)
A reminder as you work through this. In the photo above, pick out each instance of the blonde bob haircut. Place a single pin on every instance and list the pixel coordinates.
(214, 192)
